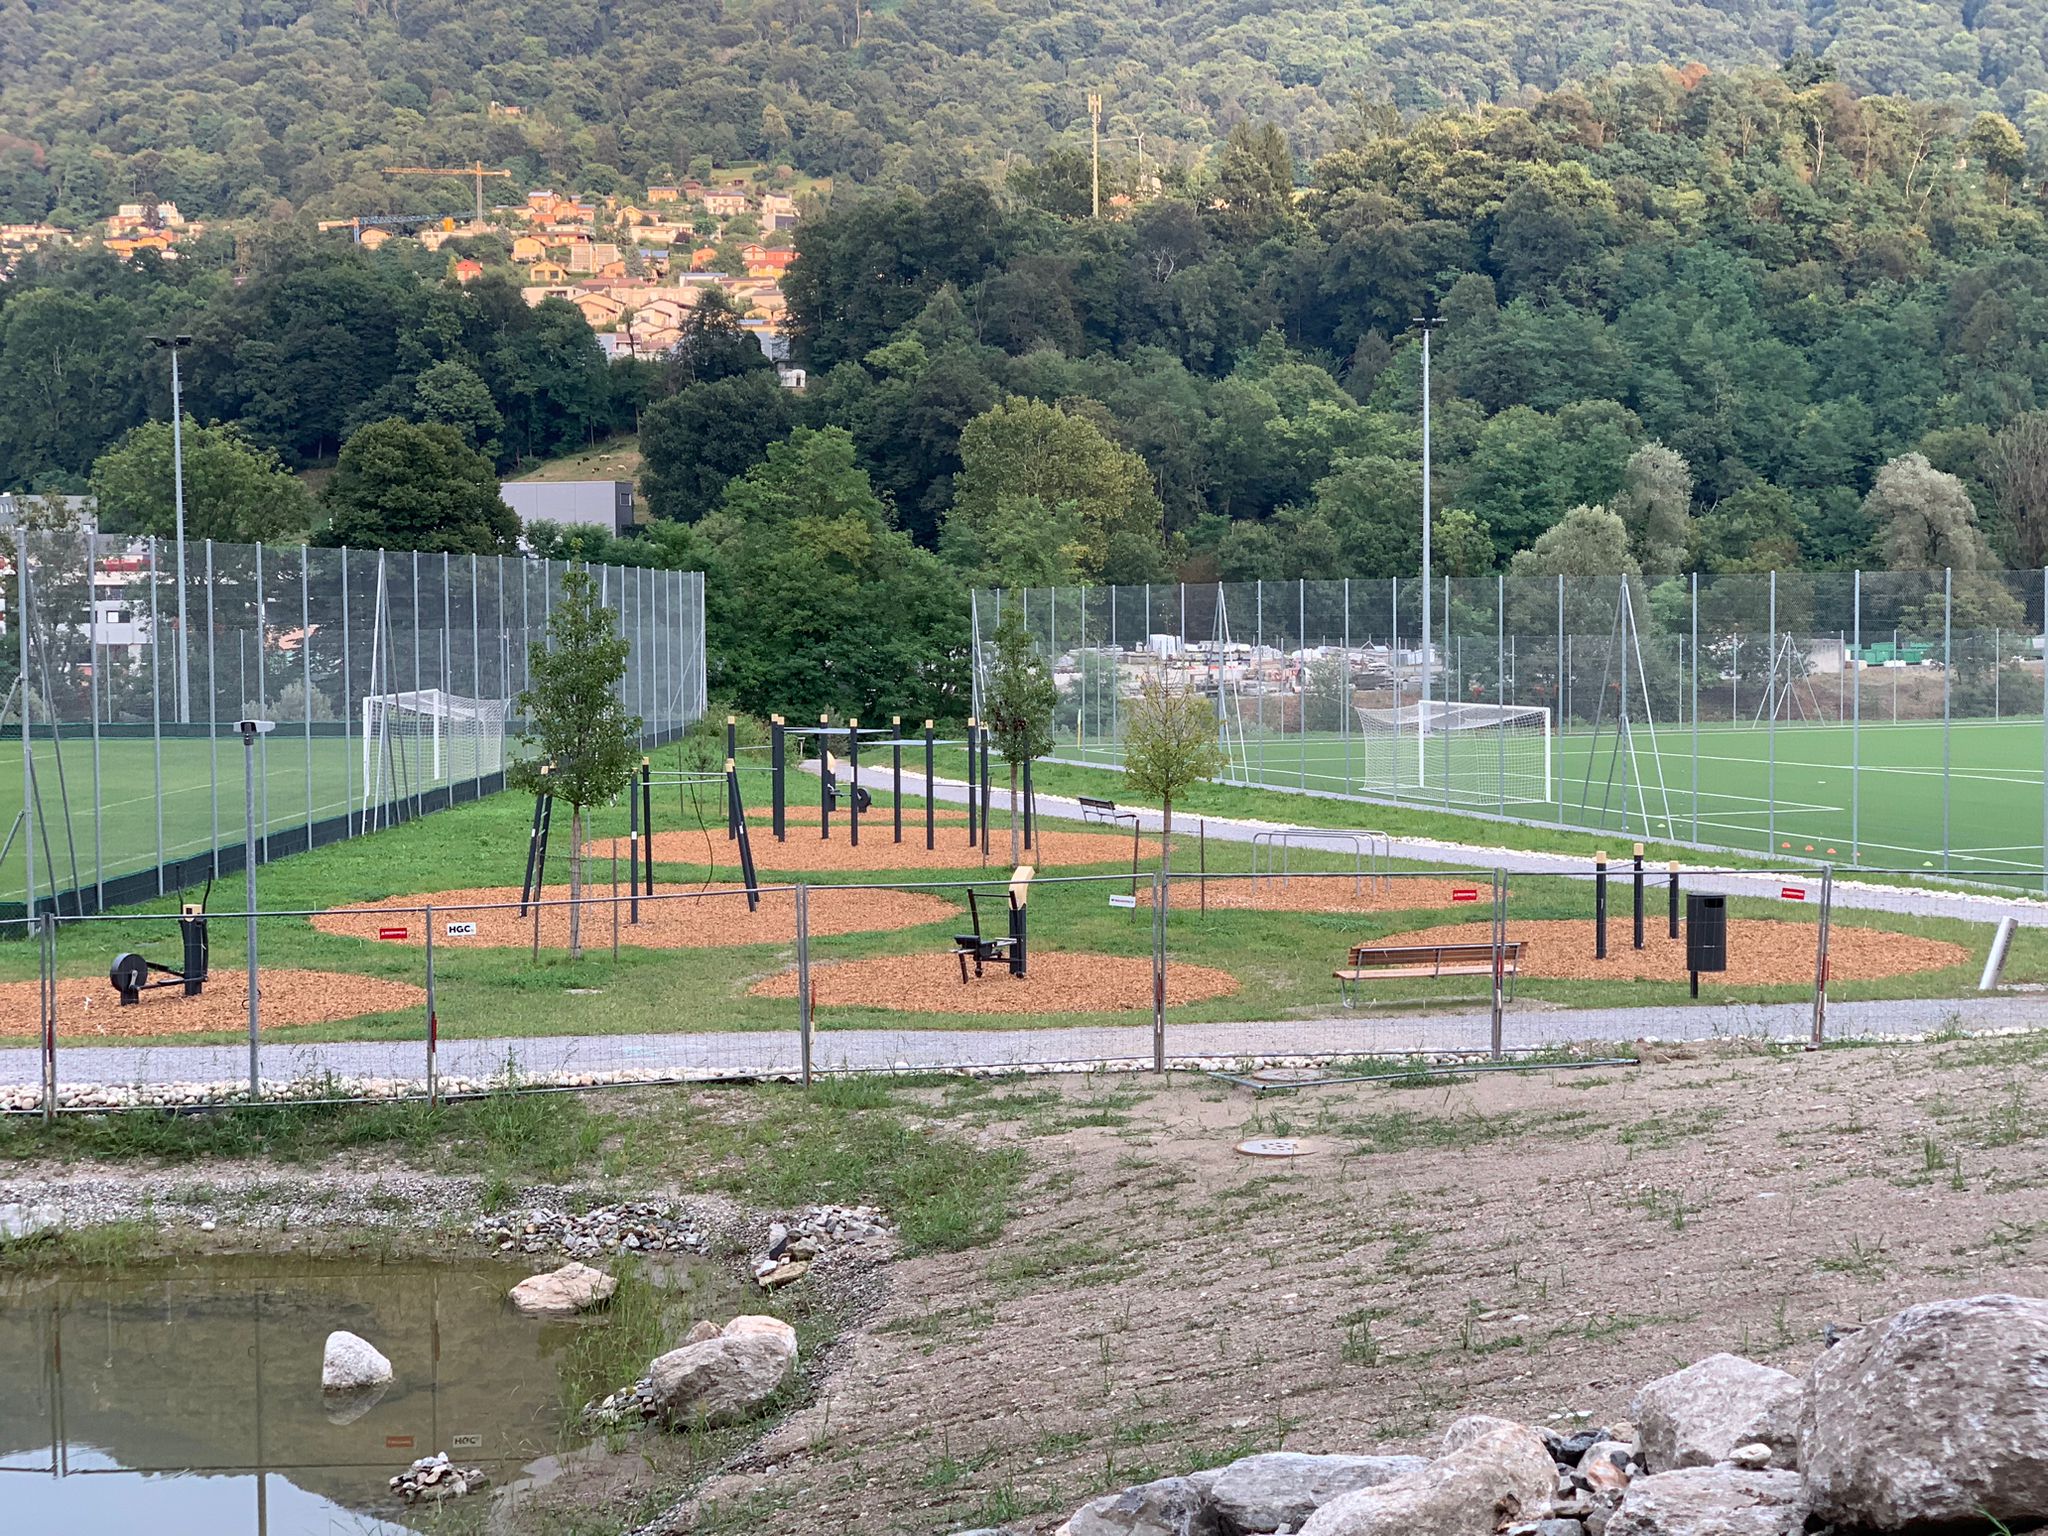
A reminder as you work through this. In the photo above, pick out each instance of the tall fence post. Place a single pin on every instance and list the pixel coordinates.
(1820, 958)
(803, 979)
(433, 1020)
(46, 972)
(1158, 971)
(1500, 932)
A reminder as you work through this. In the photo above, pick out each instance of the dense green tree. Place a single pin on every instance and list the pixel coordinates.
(1017, 702)
(234, 491)
(454, 393)
(404, 485)
(693, 443)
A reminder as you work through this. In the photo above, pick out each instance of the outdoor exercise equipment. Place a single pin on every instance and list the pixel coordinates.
(537, 844)
(739, 819)
(840, 780)
(130, 972)
(1008, 949)
(1600, 905)
(1706, 935)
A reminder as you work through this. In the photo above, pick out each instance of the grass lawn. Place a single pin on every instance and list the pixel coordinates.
(1282, 960)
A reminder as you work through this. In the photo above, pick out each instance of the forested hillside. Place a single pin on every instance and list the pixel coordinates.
(239, 109)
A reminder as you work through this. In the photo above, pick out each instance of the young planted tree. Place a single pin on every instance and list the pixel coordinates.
(1017, 705)
(1170, 746)
(576, 725)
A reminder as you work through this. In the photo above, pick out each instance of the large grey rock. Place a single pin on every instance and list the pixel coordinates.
(1172, 1506)
(1936, 1415)
(351, 1364)
(564, 1292)
(1711, 1501)
(1698, 1416)
(721, 1380)
(20, 1222)
(1263, 1493)
(1493, 1477)
(769, 1327)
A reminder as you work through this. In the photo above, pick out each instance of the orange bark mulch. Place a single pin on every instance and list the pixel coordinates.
(673, 918)
(913, 815)
(1759, 951)
(878, 852)
(1300, 893)
(89, 1008)
(1059, 982)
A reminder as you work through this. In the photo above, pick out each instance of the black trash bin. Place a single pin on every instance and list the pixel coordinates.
(1706, 935)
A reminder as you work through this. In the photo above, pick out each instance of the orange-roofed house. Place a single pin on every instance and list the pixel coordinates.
(468, 270)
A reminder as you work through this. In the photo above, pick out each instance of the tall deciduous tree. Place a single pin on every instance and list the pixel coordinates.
(697, 440)
(576, 725)
(234, 491)
(1027, 451)
(2019, 465)
(1016, 704)
(1925, 518)
(407, 485)
(1655, 505)
(1170, 745)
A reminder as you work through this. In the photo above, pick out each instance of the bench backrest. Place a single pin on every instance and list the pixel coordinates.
(1398, 954)
(1096, 803)
(1020, 884)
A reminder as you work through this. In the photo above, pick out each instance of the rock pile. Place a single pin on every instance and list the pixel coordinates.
(634, 1227)
(1934, 1420)
(716, 1376)
(793, 1247)
(435, 1477)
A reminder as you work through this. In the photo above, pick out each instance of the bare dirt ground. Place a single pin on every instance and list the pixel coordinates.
(1535, 1245)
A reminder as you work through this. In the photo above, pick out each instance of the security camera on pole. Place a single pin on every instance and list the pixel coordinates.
(251, 729)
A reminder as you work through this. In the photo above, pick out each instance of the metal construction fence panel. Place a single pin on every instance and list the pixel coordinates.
(1860, 718)
(391, 678)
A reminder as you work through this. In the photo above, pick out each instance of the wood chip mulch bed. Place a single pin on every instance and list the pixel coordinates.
(878, 853)
(913, 815)
(88, 1008)
(1301, 894)
(1759, 951)
(1059, 983)
(671, 919)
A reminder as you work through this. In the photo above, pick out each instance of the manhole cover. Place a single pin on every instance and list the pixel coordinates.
(1272, 1146)
(1287, 1075)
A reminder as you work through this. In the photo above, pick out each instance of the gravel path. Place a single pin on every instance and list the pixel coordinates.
(604, 1058)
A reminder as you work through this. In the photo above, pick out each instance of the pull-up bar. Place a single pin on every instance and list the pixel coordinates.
(856, 736)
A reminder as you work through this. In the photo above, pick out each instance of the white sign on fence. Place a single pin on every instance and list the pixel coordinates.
(462, 930)
(1126, 902)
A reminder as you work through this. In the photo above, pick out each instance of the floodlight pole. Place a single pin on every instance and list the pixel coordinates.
(173, 345)
(1427, 324)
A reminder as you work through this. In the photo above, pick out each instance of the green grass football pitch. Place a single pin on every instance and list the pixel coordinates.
(1886, 796)
(145, 814)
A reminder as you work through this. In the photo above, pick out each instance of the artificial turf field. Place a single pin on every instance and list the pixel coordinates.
(1968, 801)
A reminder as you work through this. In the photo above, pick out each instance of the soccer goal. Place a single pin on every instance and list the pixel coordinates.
(1478, 754)
(423, 737)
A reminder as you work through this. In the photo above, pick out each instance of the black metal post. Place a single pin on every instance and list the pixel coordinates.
(1639, 894)
(824, 782)
(929, 794)
(732, 754)
(973, 814)
(646, 825)
(1674, 898)
(985, 795)
(1030, 802)
(896, 772)
(778, 744)
(853, 777)
(1600, 906)
(632, 851)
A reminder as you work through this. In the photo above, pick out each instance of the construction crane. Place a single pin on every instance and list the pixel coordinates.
(479, 171)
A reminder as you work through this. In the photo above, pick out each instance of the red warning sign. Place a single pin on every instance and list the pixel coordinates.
(390, 933)
(1792, 893)
(1464, 893)
(398, 1442)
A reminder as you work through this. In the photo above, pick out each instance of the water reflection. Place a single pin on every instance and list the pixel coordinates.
(187, 1398)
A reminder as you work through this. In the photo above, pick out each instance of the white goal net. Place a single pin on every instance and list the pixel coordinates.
(1477, 754)
(420, 738)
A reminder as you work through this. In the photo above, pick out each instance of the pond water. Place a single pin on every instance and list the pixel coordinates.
(184, 1399)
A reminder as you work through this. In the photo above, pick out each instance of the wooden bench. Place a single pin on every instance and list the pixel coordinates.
(1425, 961)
